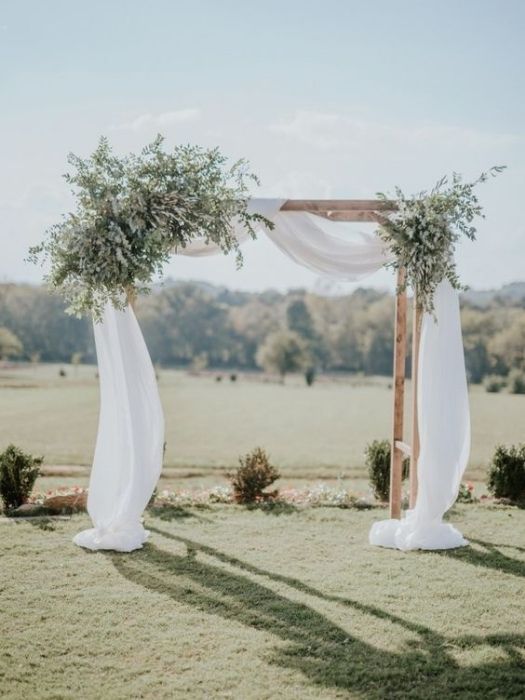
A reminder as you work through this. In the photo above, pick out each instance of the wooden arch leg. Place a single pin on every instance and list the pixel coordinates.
(396, 453)
(414, 455)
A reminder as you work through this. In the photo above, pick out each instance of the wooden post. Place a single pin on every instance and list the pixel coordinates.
(397, 454)
(414, 455)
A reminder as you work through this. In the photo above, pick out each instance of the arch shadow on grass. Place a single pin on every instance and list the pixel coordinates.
(273, 507)
(175, 512)
(489, 556)
(325, 653)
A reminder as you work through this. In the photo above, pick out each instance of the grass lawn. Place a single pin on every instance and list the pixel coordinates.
(317, 432)
(225, 602)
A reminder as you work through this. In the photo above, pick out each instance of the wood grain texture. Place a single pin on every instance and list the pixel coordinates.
(345, 205)
(417, 317)
(396, 453)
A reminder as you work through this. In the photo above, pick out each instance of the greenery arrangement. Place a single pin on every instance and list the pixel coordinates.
(18, 473)
(377, 462)
(507, 473)
(424, 229)
(133, 211)
(253, 476)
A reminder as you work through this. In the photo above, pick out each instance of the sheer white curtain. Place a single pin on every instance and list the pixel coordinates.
(128, 453)
(444, 428)
(326, 247)
(130, 440)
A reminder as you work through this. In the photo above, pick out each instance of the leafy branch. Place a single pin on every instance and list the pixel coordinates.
(133, 211)
(424, 229)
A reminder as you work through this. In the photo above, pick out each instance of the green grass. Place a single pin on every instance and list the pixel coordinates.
(229, 603)
(317, 432)
(225, 602)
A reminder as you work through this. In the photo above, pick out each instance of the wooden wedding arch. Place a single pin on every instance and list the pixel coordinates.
(372, 210)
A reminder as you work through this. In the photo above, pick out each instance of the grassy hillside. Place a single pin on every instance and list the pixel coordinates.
(310, 432)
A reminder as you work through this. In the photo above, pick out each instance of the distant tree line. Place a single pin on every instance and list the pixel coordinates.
(196, 325)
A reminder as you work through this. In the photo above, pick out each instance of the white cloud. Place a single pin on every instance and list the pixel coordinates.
(314, 128)
(148, 120)
(333, 131)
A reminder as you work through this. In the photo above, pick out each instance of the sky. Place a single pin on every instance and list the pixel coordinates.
(340, 98)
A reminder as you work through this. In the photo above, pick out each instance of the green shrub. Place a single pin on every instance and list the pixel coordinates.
(466, 493)
(507, 472)
(309, 376)
(516, 381)
(254, 474)
(377, 461)
(18, 473)
(494, 383)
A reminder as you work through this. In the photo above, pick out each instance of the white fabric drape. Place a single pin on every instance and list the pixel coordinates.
(444, 429)
(325, 247)
(129, 446)
(130, 440)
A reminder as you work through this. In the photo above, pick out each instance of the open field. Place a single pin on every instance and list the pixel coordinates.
(226, 602)
(317, 432)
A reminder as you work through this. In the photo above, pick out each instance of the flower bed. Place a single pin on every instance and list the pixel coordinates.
(320, 495)
(74, 499)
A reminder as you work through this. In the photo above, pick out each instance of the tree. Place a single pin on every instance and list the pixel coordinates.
(10, 345)
(477, 326)
(252, 322)
(347, 343)
(378, 336)
(300, 321)
(37, 318)
(76, 359)
(282, 352)
(187, 321)
(508, 346)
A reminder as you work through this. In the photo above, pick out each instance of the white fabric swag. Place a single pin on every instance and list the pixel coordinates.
(128, 454)
(130, 440)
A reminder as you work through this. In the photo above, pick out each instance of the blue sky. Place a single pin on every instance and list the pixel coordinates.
(334, 98)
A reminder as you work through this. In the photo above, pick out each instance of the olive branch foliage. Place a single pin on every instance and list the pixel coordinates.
(132, 212)
(423, 230)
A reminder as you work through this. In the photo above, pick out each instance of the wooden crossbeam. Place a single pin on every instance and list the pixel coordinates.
(342, 209)
(344, 205)
(349, 216)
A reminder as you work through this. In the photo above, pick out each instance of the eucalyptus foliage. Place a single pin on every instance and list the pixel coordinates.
(133, 211)
(424, 229)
